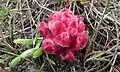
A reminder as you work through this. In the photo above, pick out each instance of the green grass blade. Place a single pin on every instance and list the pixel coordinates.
(24, 41)
(15, 61)
(101, 59)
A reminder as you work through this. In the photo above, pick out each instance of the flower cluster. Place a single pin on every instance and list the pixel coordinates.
(64, 34)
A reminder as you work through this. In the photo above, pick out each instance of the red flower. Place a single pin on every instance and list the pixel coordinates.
(64, 34)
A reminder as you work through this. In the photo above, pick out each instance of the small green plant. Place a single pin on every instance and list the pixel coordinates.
(4, 11)
(35, 52)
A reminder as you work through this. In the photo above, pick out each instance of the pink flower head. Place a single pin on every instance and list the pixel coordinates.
(64, 34)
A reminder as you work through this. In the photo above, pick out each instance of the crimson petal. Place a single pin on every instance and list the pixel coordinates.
(48, 46)
(43, 26)
(56, 27)
(63, 39)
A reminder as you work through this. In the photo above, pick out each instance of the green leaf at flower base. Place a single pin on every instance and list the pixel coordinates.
(27, 53)
(35, 39)
(37, 53)
(38, 44)
(24, 41)
(15, 61)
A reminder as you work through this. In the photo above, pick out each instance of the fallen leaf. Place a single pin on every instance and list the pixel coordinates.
(1, 69)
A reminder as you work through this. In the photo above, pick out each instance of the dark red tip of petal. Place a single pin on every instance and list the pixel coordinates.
(68, 56)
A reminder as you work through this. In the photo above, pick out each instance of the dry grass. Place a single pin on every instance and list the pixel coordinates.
(102, 54)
